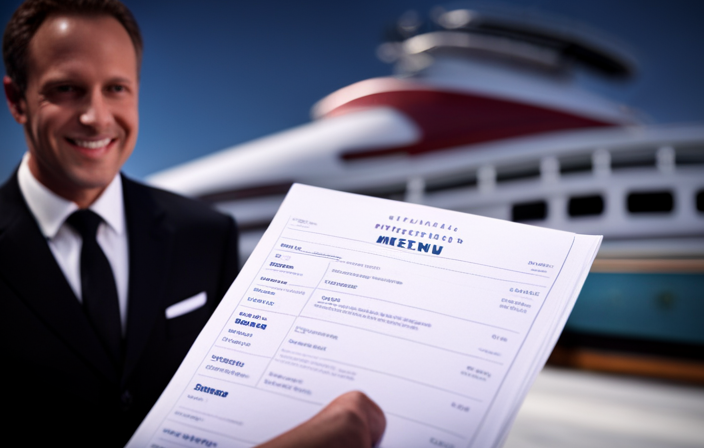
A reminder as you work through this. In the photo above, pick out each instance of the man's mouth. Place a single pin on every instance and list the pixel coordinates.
(91, 144)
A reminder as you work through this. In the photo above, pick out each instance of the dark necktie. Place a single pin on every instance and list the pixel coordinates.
(98, 285)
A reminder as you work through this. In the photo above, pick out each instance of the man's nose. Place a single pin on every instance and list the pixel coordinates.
(96, 113)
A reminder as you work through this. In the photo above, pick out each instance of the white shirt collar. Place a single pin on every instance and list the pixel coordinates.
(51, 210)
(111, 207)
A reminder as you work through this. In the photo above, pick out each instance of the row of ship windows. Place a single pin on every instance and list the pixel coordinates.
(615, 160)
(525, 171)
(612, 160)
(661, 202)
(654, 202)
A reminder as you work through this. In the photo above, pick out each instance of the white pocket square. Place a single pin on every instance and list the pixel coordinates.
(187, 305)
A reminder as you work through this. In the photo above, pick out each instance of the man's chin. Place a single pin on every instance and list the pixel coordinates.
(92, 175)
(93, 183)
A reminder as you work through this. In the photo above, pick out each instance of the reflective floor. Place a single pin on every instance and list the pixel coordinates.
(578, 409)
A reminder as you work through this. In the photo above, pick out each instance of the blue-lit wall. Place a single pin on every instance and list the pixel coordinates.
(219, 73)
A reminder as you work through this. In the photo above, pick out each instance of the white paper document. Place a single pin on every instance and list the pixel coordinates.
(442, 318)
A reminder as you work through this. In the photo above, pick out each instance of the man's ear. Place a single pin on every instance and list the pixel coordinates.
(15, 100)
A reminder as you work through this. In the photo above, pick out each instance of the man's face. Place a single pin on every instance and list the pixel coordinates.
(80, 107)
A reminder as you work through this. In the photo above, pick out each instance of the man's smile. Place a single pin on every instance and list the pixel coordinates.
(90, 144)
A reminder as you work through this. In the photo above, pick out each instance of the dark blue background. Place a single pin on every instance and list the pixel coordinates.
(220, 73)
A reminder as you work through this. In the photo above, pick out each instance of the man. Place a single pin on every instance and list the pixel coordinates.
(99, 307)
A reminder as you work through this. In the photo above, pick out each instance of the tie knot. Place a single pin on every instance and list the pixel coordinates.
(86, 222)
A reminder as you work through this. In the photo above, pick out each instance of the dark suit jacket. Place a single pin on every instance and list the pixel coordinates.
(57, 381)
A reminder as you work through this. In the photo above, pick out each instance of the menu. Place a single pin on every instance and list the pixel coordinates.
(444, 319)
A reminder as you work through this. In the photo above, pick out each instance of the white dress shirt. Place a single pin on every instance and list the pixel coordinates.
(51, 212)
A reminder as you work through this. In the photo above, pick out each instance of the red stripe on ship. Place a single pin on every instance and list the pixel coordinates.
(449, 119)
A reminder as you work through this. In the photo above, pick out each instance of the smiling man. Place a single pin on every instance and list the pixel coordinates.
(92, 264)
(104, 283)
(79, 107)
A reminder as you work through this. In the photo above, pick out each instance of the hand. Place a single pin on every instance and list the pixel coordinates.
(351, 420)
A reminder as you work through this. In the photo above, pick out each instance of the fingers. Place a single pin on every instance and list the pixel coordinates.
(372, 419)
(351, 420)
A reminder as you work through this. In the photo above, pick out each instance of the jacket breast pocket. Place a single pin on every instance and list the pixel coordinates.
(187, 316)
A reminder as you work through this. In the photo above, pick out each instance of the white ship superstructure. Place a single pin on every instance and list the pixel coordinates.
(484, 117)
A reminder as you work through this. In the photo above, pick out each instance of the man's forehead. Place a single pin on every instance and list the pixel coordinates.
(65, 38)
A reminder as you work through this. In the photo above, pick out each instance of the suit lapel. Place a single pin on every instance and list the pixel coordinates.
(150, 246)
(29, 267)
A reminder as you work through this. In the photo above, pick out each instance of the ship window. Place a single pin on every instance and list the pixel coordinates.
(692, 155)
(700, 201)
(451, 182)
(256, 192)
(651, 202)
(529, 211)
(518, 172)
(576, 164)
(586, 205)
(633, 159)
(394, 191)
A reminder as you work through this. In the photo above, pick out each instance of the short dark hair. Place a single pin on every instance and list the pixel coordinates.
(32, 13)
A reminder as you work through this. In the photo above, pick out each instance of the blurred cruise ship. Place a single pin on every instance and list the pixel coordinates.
(484, 116)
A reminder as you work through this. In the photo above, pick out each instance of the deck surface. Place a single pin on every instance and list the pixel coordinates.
(577, 409)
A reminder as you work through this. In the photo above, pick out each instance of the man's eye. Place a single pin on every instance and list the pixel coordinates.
(65, 89)
(117, 89)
